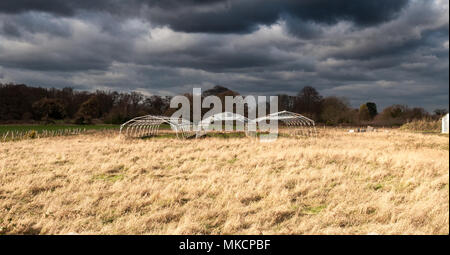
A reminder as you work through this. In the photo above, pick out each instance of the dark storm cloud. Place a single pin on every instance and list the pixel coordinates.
(51, 6)
(58, 51)
(384, 51)
(219, 58)
(19, 25)
(222, 16)
(10, 29)
(415, 30)
(245, 16)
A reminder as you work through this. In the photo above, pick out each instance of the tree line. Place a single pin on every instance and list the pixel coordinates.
(337, 111)
(20, 103)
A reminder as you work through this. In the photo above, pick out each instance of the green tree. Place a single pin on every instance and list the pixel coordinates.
(364, 113)
(372, 107)
(89, 110)
(335, 111)
(49, 109)
(440, 112)
(308, 101)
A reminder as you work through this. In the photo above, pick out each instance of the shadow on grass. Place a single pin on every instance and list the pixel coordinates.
(221, 135)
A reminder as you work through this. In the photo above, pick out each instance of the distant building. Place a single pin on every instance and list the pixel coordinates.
(445, 124)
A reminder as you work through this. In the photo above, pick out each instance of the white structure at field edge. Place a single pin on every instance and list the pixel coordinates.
(445, 124)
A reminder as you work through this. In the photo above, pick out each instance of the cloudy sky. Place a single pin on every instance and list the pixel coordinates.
(387, 51)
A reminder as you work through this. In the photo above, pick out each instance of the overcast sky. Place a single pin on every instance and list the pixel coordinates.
(387, 51)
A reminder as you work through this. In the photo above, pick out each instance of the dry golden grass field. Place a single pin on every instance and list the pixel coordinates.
(338, 183)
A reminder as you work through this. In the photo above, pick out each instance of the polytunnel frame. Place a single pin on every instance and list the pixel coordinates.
(292, 119)
(148, 125)
(204, 125)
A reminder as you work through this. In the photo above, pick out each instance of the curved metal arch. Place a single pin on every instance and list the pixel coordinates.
(148, 125)
(292, 119)
(223, 116)
(204, 125)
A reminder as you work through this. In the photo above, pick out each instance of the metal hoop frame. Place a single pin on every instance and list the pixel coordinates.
(149, 125)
